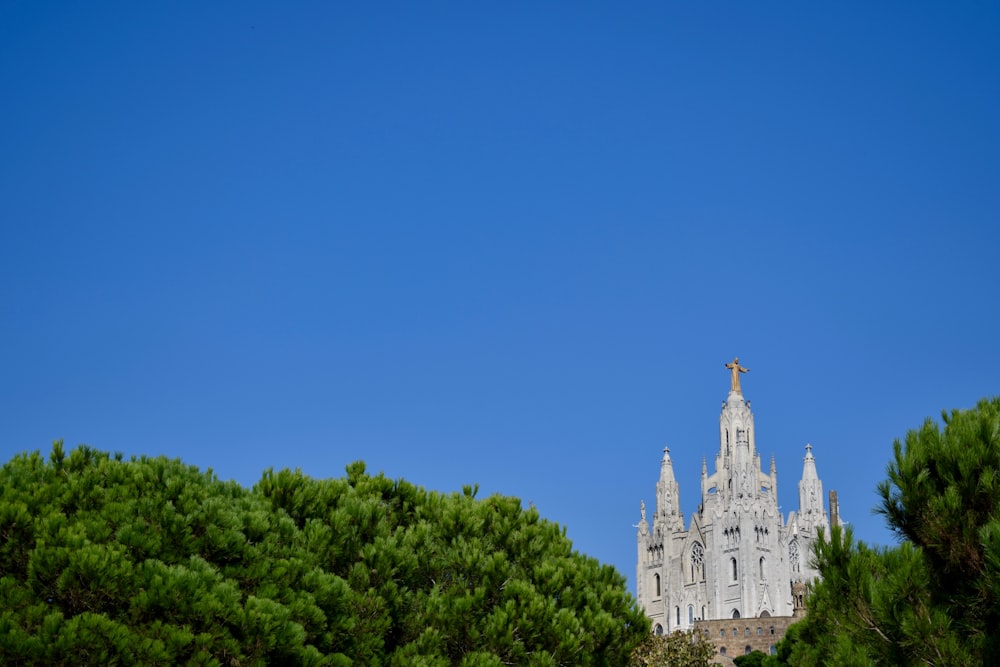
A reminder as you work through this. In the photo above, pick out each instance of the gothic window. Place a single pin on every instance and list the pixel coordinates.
(659, 629)
(793, 555)
(697, 562)
(678, 609)
(736, 614)
(747, 650)
(690, 614)
(762, 568)
(732, 564)
(656, 584)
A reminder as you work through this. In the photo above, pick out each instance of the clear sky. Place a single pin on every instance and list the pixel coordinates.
(510, 244)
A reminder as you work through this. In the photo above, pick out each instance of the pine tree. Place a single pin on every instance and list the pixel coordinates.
(150, 561)
(935, 598)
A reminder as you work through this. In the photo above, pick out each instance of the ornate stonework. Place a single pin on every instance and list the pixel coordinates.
(738, 558)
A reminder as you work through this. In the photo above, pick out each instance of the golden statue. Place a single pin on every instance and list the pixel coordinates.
(736, 370)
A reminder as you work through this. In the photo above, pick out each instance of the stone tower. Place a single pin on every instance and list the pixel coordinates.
(738, 557)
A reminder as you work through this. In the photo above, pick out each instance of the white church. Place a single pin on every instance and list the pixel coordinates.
(738, 558)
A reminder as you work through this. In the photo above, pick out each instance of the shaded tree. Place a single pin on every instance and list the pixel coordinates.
(935, 598)
(751, 659)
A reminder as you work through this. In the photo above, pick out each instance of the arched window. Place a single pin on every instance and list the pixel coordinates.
(793, 555)
(722, 632)
(746, 633)
(736, 614)
(658, 629)
(762, 568)
(703, 612)
(760, 631)
(732, 564)
(690, 614)
(697, 562)
(747, 650)
(722, 650)
(678, 615)
(773, 650)
(656, 584)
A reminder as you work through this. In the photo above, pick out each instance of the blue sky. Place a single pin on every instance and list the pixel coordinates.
(507, 244)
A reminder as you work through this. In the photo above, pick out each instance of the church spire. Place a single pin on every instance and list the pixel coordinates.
(668, 494)
(810, 493)
(737, 449)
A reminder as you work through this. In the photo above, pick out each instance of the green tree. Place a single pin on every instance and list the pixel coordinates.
(935, 598)
(150, 561)
(751, 659)
(677, 649)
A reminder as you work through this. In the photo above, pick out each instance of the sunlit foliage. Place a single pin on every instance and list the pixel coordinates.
(150, 561)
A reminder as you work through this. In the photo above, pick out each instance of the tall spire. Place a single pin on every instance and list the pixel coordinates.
(668, 494)
(810, 492)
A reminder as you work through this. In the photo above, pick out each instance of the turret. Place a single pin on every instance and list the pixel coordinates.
(668, 499)
(736, 448)
(774, 479)
(810, 494)
(704, 479)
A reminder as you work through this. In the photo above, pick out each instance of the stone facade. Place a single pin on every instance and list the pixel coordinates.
(733, 638)
(738, 560)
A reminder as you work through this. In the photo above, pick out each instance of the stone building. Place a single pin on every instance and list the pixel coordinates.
(738, 557)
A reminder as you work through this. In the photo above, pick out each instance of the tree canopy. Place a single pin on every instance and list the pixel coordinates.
(151, 561)
(676, 649)
(935, 598)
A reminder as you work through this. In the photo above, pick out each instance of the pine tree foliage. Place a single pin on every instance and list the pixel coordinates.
(751, 659)
(150, 561)
(935, 598)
